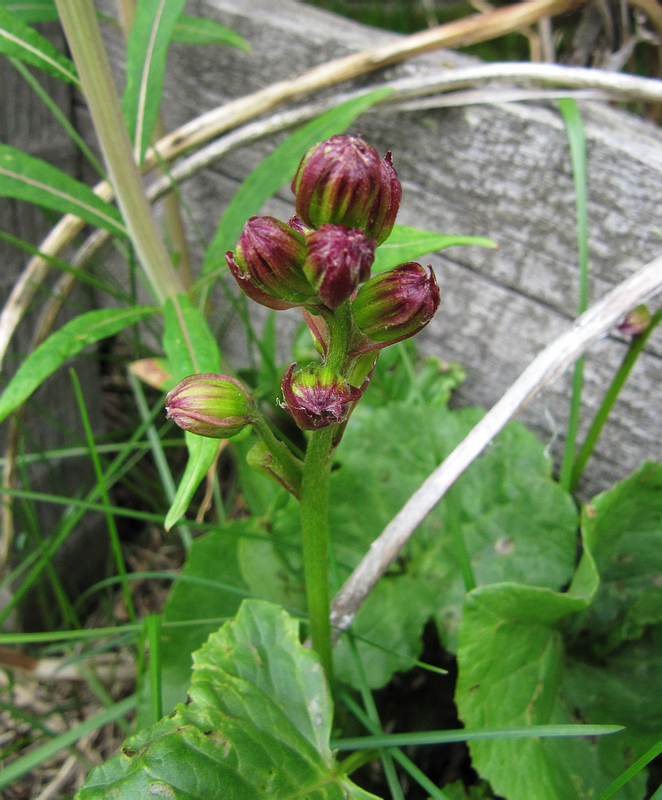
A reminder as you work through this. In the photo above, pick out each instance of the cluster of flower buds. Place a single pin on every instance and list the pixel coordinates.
(347, 200)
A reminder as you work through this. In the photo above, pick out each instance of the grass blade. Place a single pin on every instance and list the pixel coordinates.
(27, 178)
(146, 54)
(73, 337)
(31, 11)
(21, 41)
(198, 30)
(407, 244)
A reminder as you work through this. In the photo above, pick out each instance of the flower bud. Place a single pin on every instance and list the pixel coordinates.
(316, 397)
(636, 321)
(396, 304)
(268, 264)
(343, 181)
(338, 259)
(210, 405)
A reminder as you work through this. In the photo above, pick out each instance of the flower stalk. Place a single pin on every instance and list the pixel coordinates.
(81, 27)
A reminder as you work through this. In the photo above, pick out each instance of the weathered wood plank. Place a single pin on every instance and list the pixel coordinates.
(497, 170)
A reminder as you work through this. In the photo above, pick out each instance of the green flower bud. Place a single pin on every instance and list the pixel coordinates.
(636, 321)
(343, 181)
(395, 305)
(316, 397)
(268, 264)
(210, 405)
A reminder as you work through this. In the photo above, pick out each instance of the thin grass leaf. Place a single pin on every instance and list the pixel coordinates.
(467, 735)
(278, 169)
(406, 244)
(31, 11)
(146, 54)
(198, 30)
(21, 41)
(27, 178)
(36, 757)
(64, 344)
(631, 771)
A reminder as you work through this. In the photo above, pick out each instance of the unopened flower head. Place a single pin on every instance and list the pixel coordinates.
(316, 397)
(268, 264)
(396, 304)
(636, 321)
(339, 258)
(344, 181)
(210, 405)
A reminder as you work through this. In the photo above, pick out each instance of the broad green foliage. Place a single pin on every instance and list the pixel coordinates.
(257, 724)
(593, 654)
(72, 337)
(33, 180)
(517, 523)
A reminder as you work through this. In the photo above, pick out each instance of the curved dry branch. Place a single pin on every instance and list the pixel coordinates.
(548, 365)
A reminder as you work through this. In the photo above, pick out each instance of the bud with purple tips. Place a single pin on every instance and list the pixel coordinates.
(268, 264)
(636, 321)
(210, 405)
(396, 304)
(344, 181)
(316, 397)
(339, 258)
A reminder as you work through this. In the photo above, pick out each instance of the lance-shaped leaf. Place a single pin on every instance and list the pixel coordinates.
(62, 345)
(190, 348)
(21, 41)
(198, 30)
(31, 11)
(31, 179)
(407, 244)
(257, 724)
(146, 54)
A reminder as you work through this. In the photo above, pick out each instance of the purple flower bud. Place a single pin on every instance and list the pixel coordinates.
(210, 405)
(339, 258)
(343, 181)
(395, 304)
(317, 397)
(268, 264)
(636, 321)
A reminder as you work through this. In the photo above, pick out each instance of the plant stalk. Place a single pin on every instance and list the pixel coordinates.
(81, 28)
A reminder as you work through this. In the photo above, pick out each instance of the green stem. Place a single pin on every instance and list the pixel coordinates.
(634, 350)
(315, 535)
(81, 27)
(289, 463)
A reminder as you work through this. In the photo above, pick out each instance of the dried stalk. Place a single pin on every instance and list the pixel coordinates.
(547, 366)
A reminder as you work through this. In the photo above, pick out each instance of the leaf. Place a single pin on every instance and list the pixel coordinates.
(278, 169)
(65, 343)
(407, 244)
(146, 55)
(190, 348)
(31, 179)
(511, 670)
(199, 30)
(257, 724)
(19, 40)
(200, 593)
(623, 530)
(31, 11)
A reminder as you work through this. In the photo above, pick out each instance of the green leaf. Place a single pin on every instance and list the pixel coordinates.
(407, 244)
(623, 530)
(31, 179)
(200, 594)
(146, 55)
(511, 671)
(31, 11)
(73, 337)
(277, 170)
(190, 348)
(198, 30)
(19, 40)
(257, 725)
